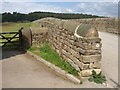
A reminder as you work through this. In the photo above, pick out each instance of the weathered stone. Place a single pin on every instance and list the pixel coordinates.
(89, 52)
(60, 44)
(95, 65)
(73, 52)
(66, 42)
(72, 37)
(64, 57)
(58, 52)
(61, 37)
(73, 64)
(80, 64)
(92, 40)
(77, 49)
(83, 45)
(87, 73)
(71, 41)
(71, 46)
(96, 45)
(77, 55)
(68, 36)
(90, 58)
(67, 48)
(65, 53)
(63, 34)
(85, 66)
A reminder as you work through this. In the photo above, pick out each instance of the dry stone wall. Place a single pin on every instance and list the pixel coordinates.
(83, 52)
(102, 24)
(39, 35)
(76, 41)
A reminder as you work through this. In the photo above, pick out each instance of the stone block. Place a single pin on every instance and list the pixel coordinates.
(77, 55)
(63, 34)
(71, 42)
(90, 58)
(95, 65)
(70, 45)
(87, 73)
(92, 40)
(85, 66)
(89, 52)
(83, 45)
(96, 45)
(72, 38)
(76, 61)
(68, 36)
(64, 57)
(66, 43)
(73, 52)
(73, 64)
(65, 53)
(58, 52)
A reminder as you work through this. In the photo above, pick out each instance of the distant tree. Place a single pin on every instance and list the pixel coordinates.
(17, 17)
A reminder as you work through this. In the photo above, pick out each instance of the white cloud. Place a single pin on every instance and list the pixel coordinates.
(27, 7)
(115, 1)
(99, 8)
(69, 10)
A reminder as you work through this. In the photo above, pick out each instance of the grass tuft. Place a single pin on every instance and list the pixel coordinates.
(97, 78)
(47, 53)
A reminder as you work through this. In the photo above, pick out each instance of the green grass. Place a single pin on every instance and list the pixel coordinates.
(47, 53)
(14, 27)
(34, 24)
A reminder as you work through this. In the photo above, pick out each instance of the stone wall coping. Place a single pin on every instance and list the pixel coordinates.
(78, 29)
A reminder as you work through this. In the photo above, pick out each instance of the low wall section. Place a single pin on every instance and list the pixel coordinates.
(79, 44)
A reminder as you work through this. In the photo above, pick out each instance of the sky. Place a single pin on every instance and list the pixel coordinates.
(103, 8)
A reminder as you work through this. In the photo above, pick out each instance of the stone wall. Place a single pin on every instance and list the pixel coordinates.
(102, 24)
(39, 35)
(83, 52)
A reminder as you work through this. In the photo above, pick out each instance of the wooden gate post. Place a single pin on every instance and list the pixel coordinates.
(20, 38)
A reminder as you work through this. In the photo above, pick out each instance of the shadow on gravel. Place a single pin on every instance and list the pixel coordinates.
(7, 53)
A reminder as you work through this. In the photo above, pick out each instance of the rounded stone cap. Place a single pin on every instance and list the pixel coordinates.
(86, 30)
(82, 30)
(70, 25)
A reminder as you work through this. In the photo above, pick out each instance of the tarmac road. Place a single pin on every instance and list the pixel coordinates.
(110, 56)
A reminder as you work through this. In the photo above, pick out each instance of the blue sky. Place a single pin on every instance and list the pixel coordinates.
(108, 8)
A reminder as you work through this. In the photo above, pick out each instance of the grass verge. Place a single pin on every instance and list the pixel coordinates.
(46, 52)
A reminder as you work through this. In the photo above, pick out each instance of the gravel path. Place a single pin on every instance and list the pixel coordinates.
(23, 71)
